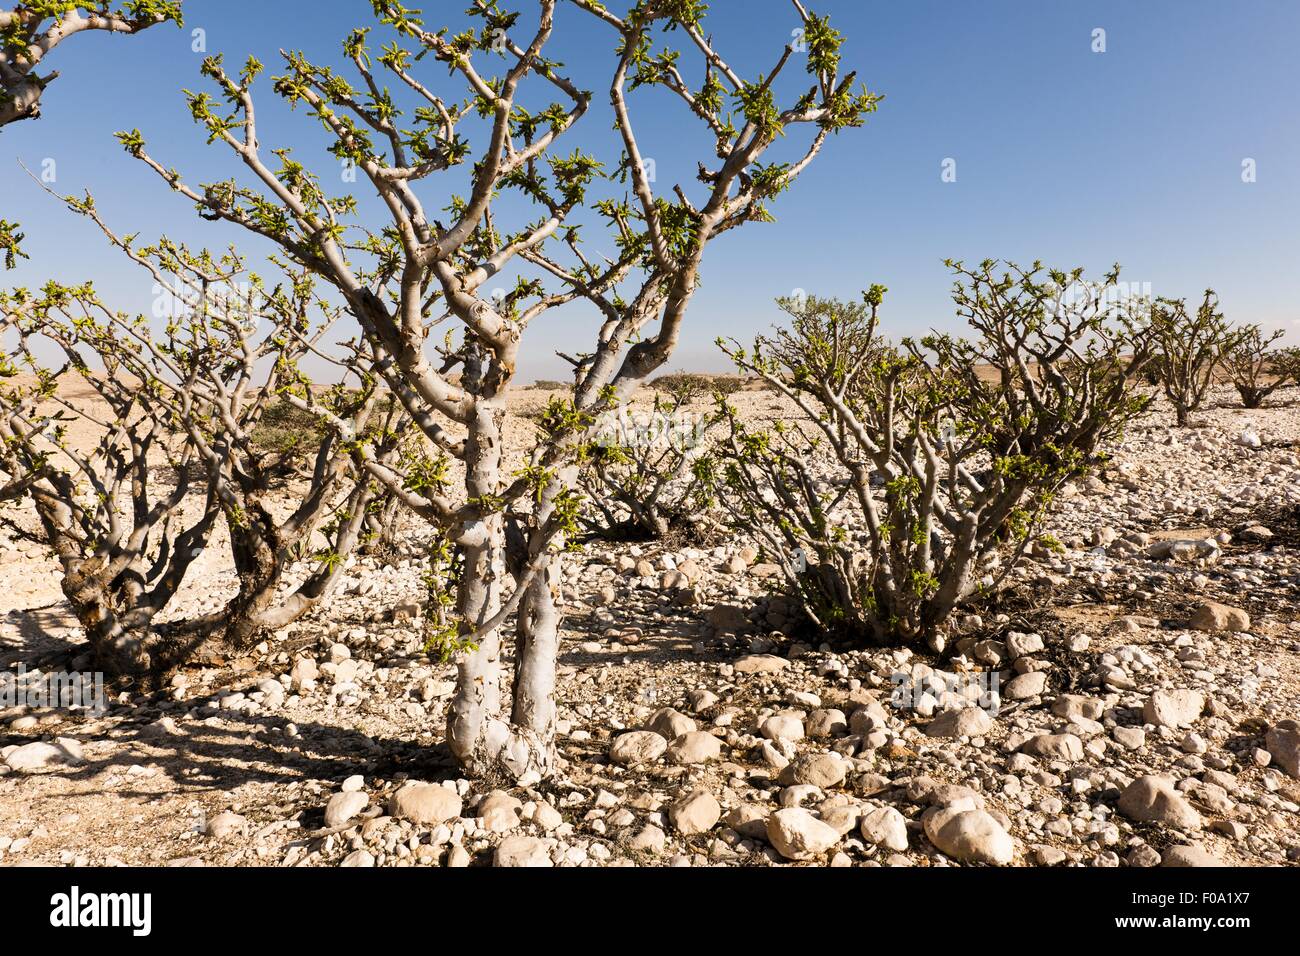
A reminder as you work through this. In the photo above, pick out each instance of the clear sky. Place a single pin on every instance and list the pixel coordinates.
(1061, 153)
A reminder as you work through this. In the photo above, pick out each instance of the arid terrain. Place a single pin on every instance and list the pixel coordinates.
(1137, 680)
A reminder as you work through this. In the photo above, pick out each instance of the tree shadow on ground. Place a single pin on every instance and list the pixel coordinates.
(40, 636)
(245, 749)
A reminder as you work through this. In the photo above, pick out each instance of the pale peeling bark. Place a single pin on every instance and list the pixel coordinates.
(538, 648)
(477, 701)
(538, 631)
(485, 743)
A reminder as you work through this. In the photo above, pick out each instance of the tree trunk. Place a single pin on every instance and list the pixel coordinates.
(539, 634)
(538, 647)
(124, 641)
(117, 649)
(485, 744)
(258, 566)
(385, 527)
(261, 609)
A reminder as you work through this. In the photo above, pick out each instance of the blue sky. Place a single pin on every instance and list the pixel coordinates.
(1062, 154)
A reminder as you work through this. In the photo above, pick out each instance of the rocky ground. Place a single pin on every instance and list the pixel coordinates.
(1130, 700)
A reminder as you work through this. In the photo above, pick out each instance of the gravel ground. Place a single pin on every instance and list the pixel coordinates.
(1140, 694)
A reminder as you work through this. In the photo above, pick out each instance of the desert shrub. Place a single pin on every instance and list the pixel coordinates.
(1253, 366)
(1188, 348)
(296, 430)
(1285, 364)
(641, 471)
(698, 382)
(917, 478)
(285, 429)
(104, 507)
(190, 397)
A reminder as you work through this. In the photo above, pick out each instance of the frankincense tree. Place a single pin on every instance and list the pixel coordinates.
(945, 452)
(1189, 348)
(185, 400)
(420, 282)
(1254, 367)
(641, 474)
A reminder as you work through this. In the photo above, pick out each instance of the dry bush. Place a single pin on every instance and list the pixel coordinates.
(641, 475)
(1188, 349)
(938, 471)
(1255, 369)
